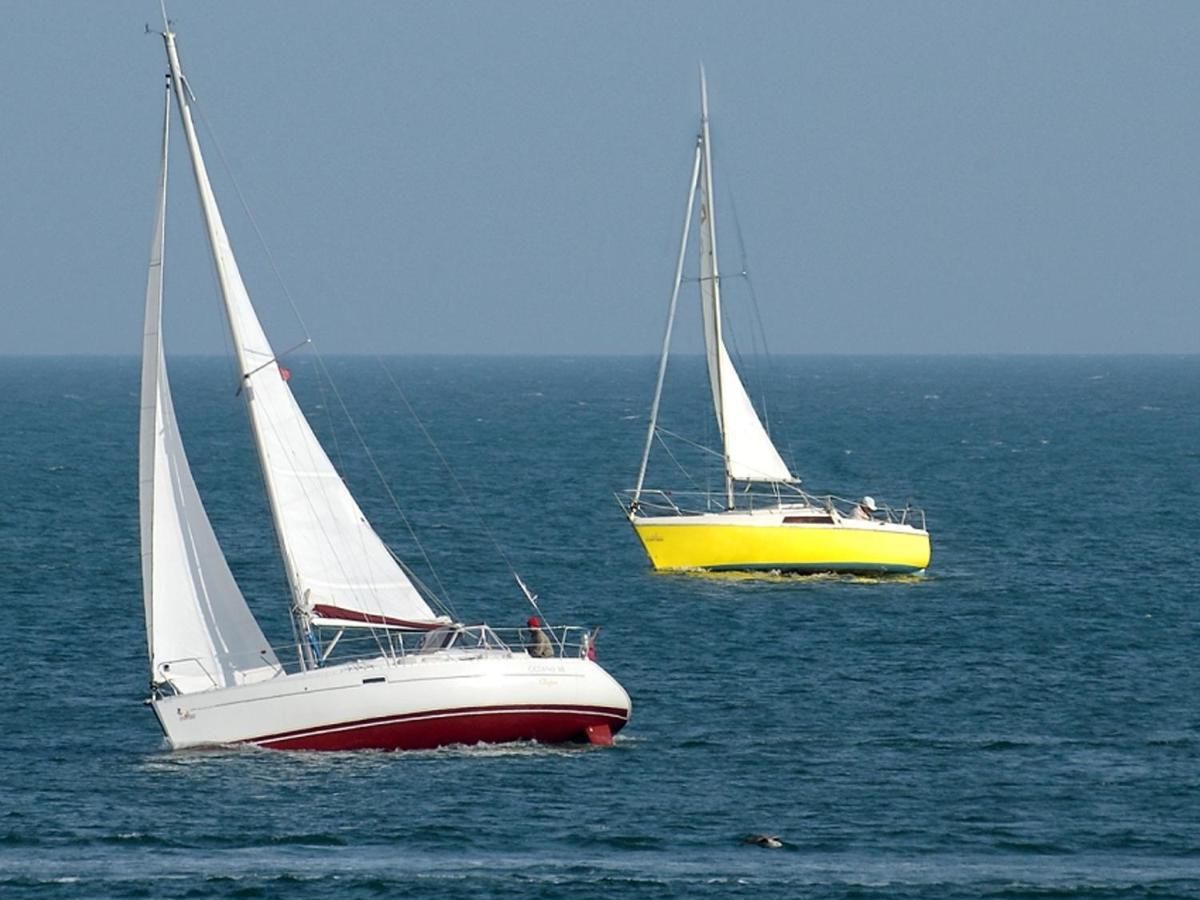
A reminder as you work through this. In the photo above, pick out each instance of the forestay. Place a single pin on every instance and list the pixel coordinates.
(201, 633)
(750, 455)
(339, 570)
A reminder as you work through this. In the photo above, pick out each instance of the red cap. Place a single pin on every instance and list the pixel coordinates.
(534, 622)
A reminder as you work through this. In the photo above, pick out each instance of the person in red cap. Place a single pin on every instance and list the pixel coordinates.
(538, 644)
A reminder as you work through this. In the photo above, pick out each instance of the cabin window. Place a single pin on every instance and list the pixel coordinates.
(808, 520)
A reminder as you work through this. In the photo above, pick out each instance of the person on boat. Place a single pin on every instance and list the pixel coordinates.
(864, 509)
(538, 644)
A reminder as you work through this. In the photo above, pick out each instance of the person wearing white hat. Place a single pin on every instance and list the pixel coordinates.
(864, 509)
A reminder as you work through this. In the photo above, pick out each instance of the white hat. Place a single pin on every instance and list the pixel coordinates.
(869, 503)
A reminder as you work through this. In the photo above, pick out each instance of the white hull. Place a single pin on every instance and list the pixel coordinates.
(414, 702)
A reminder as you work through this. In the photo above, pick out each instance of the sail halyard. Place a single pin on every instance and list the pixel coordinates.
(666, 346)
(340, 572)
(748, 451)
(200, 632)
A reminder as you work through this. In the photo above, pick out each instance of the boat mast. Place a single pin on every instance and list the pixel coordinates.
(666, 346)
(223, 261)
(151, 362)
(708, 221)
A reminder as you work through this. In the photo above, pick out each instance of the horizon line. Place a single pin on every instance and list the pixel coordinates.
(823, 354)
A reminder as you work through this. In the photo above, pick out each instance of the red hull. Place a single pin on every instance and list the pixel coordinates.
(438, 728)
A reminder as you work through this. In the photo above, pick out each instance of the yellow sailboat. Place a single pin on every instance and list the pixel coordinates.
(764, 520)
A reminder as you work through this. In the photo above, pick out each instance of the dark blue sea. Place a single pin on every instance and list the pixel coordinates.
(1023, 720)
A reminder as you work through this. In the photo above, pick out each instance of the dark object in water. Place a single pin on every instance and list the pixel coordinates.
(770, 841)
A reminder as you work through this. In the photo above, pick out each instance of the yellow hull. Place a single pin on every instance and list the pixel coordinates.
(700, 543)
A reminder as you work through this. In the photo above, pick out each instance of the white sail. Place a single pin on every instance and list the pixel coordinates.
(338, 567)
(750, 454)
(201, 633)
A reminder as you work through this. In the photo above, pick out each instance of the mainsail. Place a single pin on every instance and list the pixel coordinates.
(339, 570)
(201, 633)
(750, 454)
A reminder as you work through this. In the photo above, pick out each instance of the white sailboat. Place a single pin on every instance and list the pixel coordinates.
(764, 520)
(424, 680)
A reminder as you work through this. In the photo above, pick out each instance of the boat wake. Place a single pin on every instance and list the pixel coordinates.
(779, 576)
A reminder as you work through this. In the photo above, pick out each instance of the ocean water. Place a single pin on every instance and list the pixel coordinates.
(1021, 721)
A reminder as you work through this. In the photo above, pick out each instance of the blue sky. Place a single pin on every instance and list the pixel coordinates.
(509, 177)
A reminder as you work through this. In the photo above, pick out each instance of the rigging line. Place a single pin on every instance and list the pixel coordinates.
(708, 462)
(766, 350)
(666, 344)
(698, 446)
(757, 333)
(686, 474)
(729, 331)
(443, 601)
(531, 597)
(270, 421)
(754, 306)
(304, 329)
(277, 357)
(425, 590)
(363, 540)
(333, 431)
(685, 440)
(253, 222)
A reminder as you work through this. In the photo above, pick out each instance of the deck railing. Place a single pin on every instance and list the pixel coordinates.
(332, 646)
(653, 502)
(337, 645)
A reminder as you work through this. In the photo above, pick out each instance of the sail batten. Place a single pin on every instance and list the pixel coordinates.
(750, 455)
(330, 552)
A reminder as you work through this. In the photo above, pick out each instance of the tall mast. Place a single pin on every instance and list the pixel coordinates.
(709, 272)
